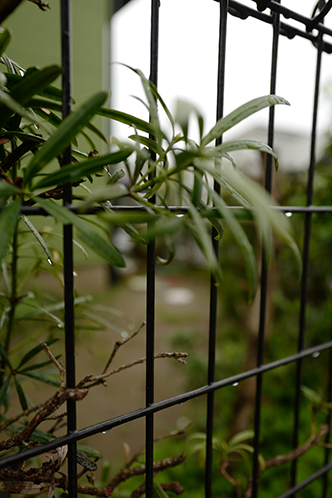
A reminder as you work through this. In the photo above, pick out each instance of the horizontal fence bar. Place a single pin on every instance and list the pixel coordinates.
(161, 405)
(241, 11)
(38, 211)
(307, 481)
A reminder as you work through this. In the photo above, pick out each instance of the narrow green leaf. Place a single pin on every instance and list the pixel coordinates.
(9, 106)
(97, 132)
(184, 110)
(127, 119)
(242, 145)
(4, 392)
(164, 106)
(4, 356)
(203, 239)
(164, 226)
(8, 221)
(118, 218)
(4, 40)
(63, 136)
(21, 395)
(241, 240)
(41, 436)
(6, 191)
(37, 366)
(148, 142)
(108, 193)
(49, 116)
(24, 89)
(240, 437)
(90, 452)
(77, 171)
(34, 351)
(239, 114)
(153, 110)
(158, 491)
(49, 91)
(37, 103)
(266, 216)
(33, 82)
(42, 378)
(38, 237)
(92, 239)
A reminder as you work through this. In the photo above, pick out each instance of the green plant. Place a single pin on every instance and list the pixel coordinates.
(158, 167)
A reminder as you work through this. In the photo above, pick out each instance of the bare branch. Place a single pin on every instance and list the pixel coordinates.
(20, 415)
(90, 381)
(42, 5)
(7, 7)
(118, 344)
(315, 439)
(46, 409)
(126, 473)
(230, 479)
(58, 364)
(174, 487)
(135, 457)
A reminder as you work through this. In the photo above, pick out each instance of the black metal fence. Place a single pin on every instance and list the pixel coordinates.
(313, 30)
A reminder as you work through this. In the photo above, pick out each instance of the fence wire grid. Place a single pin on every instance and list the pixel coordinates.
(283, 22)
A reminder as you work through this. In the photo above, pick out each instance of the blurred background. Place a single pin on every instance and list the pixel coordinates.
(102, 38)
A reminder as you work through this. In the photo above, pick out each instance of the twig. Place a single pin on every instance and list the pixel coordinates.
(158, 466)
(20, 415)
(230, 479)
(46, 409)
(300, 450)
(42, 5)
(90, 381)
(174, 487)
(54, 193)
(58, 364)
(135, 457)
(315, 439)
(17, 153)
(118, 344)
(7, 7)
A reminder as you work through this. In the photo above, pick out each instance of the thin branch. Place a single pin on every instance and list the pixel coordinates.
(54, 193)
(126, 473)
(118, 344)
(230, 479)
(58, 365)
(174, 487)
(314, 440)
(42, 5)
(91, 381)
(50, 406)
(7, 7)
(17, 153)
(135, 457)
(20, 415)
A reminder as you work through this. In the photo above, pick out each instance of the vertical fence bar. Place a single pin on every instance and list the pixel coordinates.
(305, 267)
(213, 288)
(150, 287)
(264, 270)
(328, 421)
(68, 253)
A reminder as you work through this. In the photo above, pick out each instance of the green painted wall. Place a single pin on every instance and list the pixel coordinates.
(36, 40)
